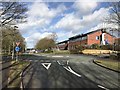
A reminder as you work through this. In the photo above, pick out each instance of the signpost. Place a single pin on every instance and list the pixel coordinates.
(17, 49)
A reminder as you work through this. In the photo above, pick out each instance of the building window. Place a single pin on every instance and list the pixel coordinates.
(97, 37)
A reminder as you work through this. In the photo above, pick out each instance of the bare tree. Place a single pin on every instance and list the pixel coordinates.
(114, 16)
(53, 36)
(12, 12)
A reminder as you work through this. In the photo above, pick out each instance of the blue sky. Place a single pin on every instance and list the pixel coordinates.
(66, 19)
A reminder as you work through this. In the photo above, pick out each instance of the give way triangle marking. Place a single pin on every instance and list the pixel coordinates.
(46, 65)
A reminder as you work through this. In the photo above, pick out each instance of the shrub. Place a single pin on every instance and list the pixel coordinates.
(95, 46)
(107, 47)
(74, 51)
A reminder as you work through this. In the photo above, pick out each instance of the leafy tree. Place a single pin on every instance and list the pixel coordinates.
(10, 35)
(45, 43)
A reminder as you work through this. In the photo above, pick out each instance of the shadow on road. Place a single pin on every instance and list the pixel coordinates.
(55, 77)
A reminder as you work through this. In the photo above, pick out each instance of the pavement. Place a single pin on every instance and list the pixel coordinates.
(68, 71)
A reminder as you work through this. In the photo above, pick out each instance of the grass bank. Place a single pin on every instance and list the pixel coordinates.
(14, 73)
(110, 64)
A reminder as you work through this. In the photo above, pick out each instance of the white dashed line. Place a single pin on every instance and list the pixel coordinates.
(57, 56)
(102, 87)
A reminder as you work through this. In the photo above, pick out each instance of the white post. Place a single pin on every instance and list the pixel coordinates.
(13, 50)
(103, 39)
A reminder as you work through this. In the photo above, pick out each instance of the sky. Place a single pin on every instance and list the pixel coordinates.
(66, 19)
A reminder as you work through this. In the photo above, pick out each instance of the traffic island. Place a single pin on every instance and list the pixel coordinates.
(109, 64)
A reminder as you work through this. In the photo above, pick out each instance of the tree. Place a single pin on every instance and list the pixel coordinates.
(11, 12)
(10, 35)
(45, 43)
(114, 16)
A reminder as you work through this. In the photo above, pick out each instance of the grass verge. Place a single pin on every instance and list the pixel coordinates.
(14, 74)
(111, 64)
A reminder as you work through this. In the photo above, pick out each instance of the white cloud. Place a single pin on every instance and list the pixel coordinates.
(40, 16)
(64, 36)
(35, 37)
(85, 7)
(95, 18)
(71, 22)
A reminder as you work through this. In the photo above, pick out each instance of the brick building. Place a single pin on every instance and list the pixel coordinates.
(62, 45)
(100, 37)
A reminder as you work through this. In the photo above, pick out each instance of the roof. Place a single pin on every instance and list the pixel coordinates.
(82, 35)
(63, 42)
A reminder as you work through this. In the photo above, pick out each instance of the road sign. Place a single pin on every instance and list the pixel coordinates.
(17, 43)
(17, 48)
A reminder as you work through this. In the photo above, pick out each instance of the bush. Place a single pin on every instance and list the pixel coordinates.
(61, 52)
(74, 51)
(107, 47)
(49, 51)
(95, 46)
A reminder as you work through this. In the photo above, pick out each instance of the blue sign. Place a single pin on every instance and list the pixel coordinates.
(17, 48)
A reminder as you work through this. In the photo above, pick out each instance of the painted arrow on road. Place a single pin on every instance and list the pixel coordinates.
(46, 65)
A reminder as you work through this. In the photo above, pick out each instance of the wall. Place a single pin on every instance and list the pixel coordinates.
(92, 38)
(72, 45)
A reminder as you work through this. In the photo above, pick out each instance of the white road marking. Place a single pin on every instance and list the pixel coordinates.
(58, 62)
(70, 70)
(57, 56)
(102, 87)
(67, 56)
(67, 62)
(46, 65)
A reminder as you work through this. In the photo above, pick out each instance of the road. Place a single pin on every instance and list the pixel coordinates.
(68, 71)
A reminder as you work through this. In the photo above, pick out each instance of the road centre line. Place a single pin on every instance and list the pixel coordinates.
(102, 87)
